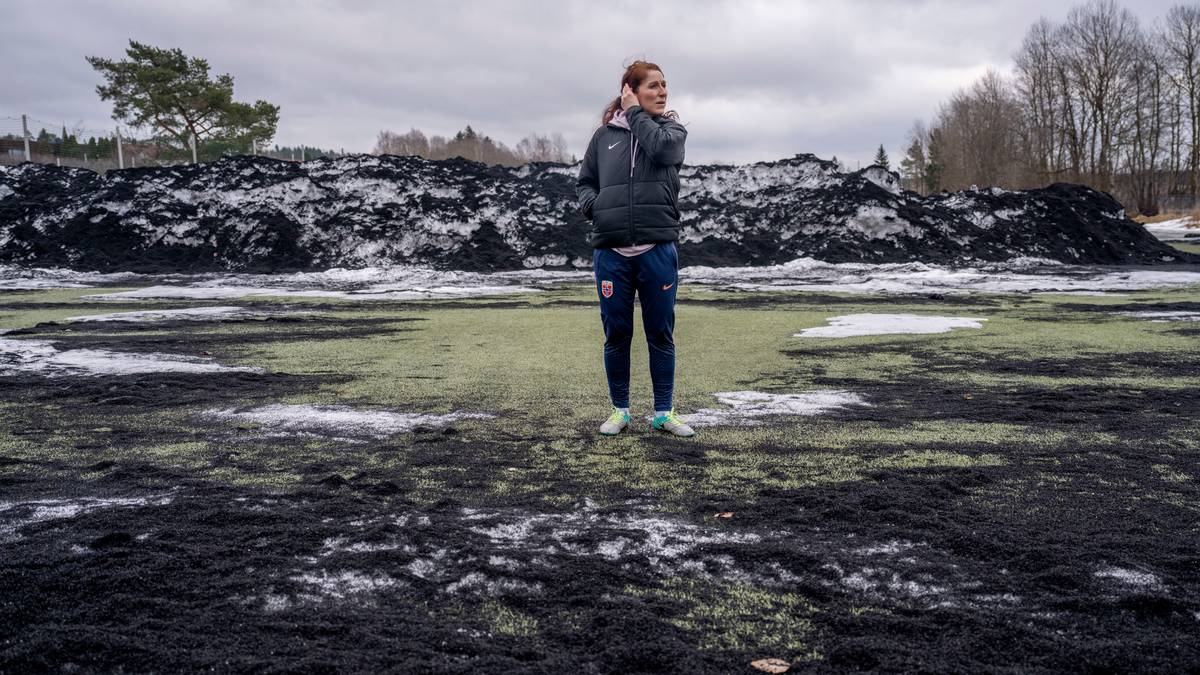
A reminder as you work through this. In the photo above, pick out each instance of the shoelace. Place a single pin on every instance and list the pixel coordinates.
(672, 417)
(616, 416)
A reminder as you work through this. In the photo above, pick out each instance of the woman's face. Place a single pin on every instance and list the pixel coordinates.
(652, 93)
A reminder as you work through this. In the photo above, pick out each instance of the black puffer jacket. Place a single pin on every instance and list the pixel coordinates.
(629, 181)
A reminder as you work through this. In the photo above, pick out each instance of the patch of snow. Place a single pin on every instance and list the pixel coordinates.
(876, 580)
(881, 222)
(499, 543)
(189, 314)
(14, 278)
(889, 548)
(883, 178)
(1163, 317)
(481, 583)
(1177, 229)
(18, 514)
(1017, 276)
(552, 260)
(658, 538)
(746, 406)
(42, 357)
(853, 325)
(342, 585)
(337, 419)
(1128, 576)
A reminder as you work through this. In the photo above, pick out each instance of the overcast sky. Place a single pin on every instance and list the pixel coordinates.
(751, 80)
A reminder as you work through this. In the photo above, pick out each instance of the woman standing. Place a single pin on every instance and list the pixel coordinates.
(628, 186)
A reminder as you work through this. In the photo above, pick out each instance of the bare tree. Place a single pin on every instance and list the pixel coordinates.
(1180, 37)
(411, 143)
(537, 148)
(1039, 89)
(979, 136)
(1102, 40)
(1143, 144)
(472, 145)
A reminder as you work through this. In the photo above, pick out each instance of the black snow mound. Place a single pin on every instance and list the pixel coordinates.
(257, 214)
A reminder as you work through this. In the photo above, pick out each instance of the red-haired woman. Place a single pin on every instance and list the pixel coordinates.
(628, 187)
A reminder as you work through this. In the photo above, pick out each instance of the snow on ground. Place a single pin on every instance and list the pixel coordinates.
(1019, 275)
(745, 407)
(407, 282)
(13, 278)
(659, 538)
(341, 585)
(852, 325)
(378, 292)
(1177, 229)
(189, 314)
(1127, 576)
(16, 515)
(337, 420)
(506, 551)
(1162, 317)
(43, 358)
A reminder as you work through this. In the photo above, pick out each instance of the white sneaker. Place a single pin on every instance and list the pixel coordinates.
(615, 423)
(672, 423)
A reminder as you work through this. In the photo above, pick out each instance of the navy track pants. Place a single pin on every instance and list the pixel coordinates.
(654, 276)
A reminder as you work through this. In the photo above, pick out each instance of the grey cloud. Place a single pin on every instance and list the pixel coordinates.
(341, 71)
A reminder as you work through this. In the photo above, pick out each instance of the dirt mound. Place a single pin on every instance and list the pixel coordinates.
(258, 214)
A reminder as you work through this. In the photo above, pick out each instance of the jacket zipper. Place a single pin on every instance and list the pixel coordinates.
(632, 150)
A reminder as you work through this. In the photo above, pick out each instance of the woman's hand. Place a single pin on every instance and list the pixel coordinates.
(628, 98)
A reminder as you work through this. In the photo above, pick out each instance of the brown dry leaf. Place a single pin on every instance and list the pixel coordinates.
(723, 514)
(771, 665)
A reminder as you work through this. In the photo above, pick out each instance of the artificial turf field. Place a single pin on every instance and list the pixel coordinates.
(1019, 497)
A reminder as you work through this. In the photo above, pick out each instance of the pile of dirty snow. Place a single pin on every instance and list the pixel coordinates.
(255, 214)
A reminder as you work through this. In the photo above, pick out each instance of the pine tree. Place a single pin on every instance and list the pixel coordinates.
(881, 158)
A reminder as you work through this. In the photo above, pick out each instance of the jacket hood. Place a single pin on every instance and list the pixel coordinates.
(618, 120)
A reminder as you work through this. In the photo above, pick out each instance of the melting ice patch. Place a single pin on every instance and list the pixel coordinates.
(401, 282)
(189, 314)
(853, 325)
(591, 531)
(381, 292)
(1162, 317)
(43, 358)
(337, 420)
(745, 407)
(1128, 577)
(32, 278)
(881, 222)
(1019, 275)
(16, 515)
(512, 551)
(341, 585)
(1178, 229)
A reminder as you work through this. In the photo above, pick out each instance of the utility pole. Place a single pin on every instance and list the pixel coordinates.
(120, 152)
(25, 135)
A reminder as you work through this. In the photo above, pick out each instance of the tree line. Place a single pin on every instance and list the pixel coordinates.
(472, 145)
(1099, 99)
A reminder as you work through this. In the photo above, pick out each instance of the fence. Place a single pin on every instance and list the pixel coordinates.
(27, 139)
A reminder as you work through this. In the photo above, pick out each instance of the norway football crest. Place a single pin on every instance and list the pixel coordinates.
(606, 288)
